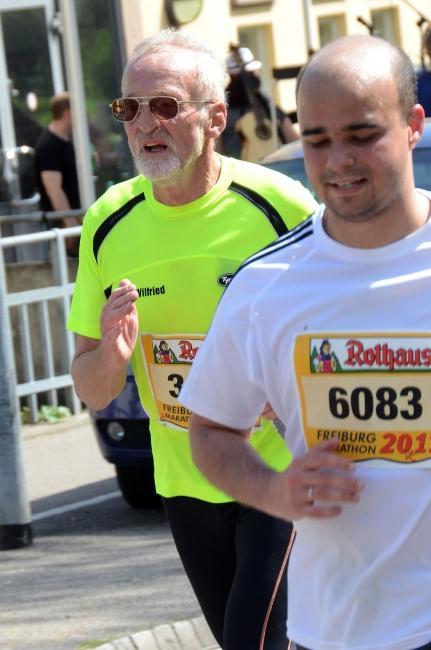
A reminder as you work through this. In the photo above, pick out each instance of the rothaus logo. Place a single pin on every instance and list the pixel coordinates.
(143, 292)
(384, 355)
(224, 280)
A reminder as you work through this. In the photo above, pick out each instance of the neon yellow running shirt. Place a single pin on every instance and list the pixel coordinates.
(181, 259)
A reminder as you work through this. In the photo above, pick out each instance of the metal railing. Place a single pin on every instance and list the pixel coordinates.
(39, 319)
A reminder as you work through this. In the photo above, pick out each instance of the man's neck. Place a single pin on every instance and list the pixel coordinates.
(193, 183)
(391, 226)
(59, 129)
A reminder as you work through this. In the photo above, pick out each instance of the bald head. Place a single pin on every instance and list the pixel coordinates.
(359, 61)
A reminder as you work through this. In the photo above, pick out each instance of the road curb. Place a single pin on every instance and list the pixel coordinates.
(47, 428)
(193, 634)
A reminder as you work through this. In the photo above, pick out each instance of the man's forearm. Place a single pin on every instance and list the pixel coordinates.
(231, 463)
(58, 198)
(316, 484)
(96, 383)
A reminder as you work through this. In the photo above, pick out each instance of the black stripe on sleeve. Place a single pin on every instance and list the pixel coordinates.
(262, 204)
(112, 220)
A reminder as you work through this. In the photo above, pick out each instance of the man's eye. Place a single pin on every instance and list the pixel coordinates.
(317, 144)
(363, 139)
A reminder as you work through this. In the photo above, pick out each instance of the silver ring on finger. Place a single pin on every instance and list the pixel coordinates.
(310, 495)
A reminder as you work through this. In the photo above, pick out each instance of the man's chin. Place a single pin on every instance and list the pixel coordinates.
(160, 174)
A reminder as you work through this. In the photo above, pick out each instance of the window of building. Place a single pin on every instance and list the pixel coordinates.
(282, 92)
(331, 27)
(386, 24)
(258, 40)
(249, 3)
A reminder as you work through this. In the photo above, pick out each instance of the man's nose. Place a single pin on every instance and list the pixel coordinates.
(146, 120)
(340, 156)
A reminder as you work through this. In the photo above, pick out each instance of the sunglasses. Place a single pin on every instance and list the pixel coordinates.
(126, 109)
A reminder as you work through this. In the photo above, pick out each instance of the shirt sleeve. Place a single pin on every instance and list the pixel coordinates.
(224, 384)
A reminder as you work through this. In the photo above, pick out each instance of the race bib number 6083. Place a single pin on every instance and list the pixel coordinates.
(372, 391)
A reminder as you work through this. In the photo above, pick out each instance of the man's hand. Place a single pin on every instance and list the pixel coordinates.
(314, 485)
(119, 324)
(99, 367)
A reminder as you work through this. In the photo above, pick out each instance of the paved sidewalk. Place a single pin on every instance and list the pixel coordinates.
(61, 459)
(183, 635)
(191, 634)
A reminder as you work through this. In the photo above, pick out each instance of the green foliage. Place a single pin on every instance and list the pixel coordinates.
(46, 413)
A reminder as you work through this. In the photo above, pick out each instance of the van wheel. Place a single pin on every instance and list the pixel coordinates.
(137, 486)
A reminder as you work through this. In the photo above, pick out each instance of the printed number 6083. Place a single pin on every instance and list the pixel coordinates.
(386, 403)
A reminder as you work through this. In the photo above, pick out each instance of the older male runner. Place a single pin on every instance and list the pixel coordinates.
(157, 253)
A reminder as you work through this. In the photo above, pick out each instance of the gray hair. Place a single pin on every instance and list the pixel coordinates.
(209, 70)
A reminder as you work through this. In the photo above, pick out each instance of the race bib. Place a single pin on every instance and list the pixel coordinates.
(372, 391)
(168, 360)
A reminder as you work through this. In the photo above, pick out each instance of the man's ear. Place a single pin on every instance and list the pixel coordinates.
(217, 116)
(416, 123)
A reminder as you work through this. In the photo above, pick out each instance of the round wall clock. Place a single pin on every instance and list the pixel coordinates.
(181, 12)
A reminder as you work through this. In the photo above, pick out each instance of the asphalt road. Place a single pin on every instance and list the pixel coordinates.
(97, 570)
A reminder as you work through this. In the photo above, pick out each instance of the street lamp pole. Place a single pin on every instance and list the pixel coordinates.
(15, 515)
(75, 83)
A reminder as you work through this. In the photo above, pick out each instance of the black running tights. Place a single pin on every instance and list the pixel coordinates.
(234, 557)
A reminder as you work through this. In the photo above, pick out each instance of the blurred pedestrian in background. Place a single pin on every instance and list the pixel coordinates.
(249, 132)
(55, 168)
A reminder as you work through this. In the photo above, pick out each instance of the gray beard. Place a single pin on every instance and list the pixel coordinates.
(158, 171)
(165, 169)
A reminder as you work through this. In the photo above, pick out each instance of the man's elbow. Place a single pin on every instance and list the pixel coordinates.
(91, 393)
(92, 402)
(96, 399)
(89, 397)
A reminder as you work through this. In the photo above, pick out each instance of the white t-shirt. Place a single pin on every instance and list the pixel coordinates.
(339, 340)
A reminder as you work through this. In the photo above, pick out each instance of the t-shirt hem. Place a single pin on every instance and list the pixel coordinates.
(183, 489)
(404, 644)
(83, 329)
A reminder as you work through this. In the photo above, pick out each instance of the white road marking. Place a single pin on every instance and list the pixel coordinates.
(76, 506)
